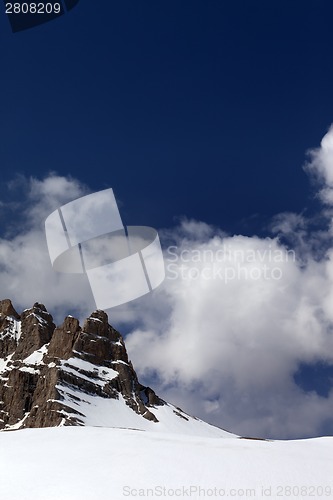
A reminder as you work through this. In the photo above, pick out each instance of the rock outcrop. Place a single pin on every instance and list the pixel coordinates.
(47, 371)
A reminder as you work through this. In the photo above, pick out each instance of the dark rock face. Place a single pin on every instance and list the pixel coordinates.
(37, 327)
(45, 371)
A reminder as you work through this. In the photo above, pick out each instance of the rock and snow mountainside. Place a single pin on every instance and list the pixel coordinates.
(58, 376)
(78, 384)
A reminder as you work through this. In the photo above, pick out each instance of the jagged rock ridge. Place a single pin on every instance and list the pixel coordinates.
(49, 375)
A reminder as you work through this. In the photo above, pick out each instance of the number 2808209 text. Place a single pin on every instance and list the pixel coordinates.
(33, 8)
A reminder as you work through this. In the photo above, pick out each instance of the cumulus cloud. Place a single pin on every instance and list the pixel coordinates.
(243, 313)
(234, 320)
(320, 165)
(26, 274)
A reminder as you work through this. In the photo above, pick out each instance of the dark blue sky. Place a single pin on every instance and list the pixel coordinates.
(196, 108)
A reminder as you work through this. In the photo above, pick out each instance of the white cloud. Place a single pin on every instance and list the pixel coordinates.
(321, 166)
(234, 340)
(233, 344)
(235, 317)
(26, 274)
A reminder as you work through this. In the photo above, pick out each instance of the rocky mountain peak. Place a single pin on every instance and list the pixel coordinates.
(53, 375)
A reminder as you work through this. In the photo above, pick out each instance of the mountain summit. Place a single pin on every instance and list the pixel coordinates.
(71, 375)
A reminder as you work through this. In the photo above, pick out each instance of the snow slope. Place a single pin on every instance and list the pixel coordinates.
(84, 463)
(103, 412)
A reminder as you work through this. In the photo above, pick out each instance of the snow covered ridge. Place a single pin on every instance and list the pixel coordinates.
(85, 463)
(59, 376)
